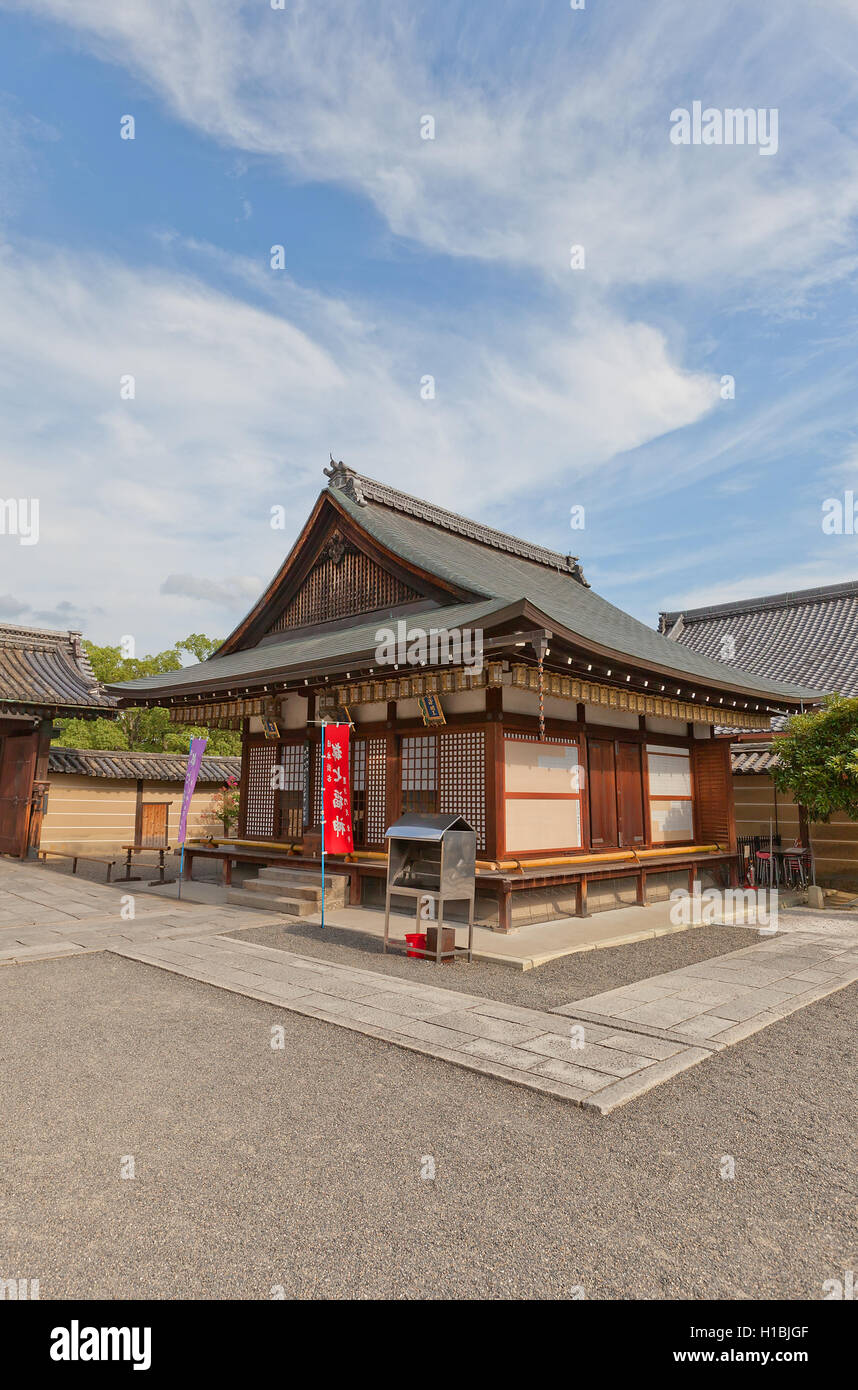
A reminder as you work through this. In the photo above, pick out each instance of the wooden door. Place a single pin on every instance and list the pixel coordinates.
(630, 799)
(715, 820)
(17, 767)
(602, 793)
(153, 824)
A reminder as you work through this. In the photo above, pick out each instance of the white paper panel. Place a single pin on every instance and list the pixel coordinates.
(538, 824)
(540, 767)
(671, 820)
(669, 776)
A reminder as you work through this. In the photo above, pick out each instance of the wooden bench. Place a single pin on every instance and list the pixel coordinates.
(160, 850)
(87, 859)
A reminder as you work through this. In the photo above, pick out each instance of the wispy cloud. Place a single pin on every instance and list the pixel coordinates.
(566, 141)
(223, 593)
(224, 421)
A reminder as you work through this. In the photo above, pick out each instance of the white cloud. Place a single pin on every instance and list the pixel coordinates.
(236, 408)
(811, 573)
(560, 137)
(223, 593)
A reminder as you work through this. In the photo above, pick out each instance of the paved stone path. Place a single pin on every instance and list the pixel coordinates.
(44, 914)
(598, 1052)
(723, 1000)
(599, 1067)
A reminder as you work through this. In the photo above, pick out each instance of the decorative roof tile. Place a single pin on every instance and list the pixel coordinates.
(363, 490)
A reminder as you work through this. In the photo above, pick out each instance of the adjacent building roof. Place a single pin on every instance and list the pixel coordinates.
(809, 636)
(43, 672)
(160, 767)
(490, 577)
(747, 759)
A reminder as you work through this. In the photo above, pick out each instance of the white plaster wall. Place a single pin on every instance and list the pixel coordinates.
(370, 714)
(293, 712)
(517, 701)
(657, 725)
(620, 718)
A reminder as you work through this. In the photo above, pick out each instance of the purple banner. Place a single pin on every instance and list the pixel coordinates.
(195, 757)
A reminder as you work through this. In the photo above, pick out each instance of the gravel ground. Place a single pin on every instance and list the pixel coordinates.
(301, 1168)
(546, 987)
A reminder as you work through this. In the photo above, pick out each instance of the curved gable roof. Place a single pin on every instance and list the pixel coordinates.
(482, 572)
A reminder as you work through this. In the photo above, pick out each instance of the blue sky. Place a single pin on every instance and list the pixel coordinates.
(407, 257)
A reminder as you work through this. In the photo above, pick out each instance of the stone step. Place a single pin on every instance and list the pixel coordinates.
(336, 885)
(260, 885)
(291, 907)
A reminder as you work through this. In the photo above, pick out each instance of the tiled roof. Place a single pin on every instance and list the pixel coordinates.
(572, 605)
(747, 760)
(809, 636)
(161, 767)
(495, 572)
(43, 671)
(363, 490)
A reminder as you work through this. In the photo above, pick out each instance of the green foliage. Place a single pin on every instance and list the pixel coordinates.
(144, 730)
(818, 759)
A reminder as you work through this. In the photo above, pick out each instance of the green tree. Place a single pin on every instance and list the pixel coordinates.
(138, 729)
(818, 759)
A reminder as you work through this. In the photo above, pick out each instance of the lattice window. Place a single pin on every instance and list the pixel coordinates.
(462, 779)
(259, 818)
(292, 793)
(376, 790)
(359, 790)
(317, 784)
(420, 774)
(343, 583)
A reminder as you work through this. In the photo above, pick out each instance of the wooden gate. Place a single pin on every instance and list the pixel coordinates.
(153, 824)
(17, 767)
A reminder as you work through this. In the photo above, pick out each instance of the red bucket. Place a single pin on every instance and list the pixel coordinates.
(416, 939)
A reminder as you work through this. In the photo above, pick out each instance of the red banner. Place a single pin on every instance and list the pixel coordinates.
(336, 792)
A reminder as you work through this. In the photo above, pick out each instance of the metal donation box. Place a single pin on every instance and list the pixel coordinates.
(432, 859)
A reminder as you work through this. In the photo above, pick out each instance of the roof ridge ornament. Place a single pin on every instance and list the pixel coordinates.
(345, 480)
(364, 490)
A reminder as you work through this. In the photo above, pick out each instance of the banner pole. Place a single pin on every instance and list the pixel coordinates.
(323, 825)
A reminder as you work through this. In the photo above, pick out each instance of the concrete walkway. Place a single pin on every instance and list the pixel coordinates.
(723, 1000)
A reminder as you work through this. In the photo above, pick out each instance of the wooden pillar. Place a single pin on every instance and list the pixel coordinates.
(494, 775)
(393, 781)
(138, 812)
(39, 790)
(581, 897)
(242, 784)
(504, 907)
